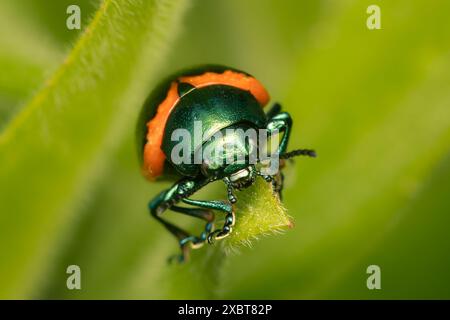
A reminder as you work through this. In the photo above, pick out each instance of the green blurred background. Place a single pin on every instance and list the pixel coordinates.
(374, 104)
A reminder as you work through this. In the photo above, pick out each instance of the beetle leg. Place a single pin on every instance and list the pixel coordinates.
(281, 122)
(226, 229)
(217, 205)
(166, 200)
(278, 122)
(205, 214)
(231, 196)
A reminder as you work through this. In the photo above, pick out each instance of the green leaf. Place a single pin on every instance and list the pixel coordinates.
(259, 213)
(27, 55)
(51, 16)
(57, 147)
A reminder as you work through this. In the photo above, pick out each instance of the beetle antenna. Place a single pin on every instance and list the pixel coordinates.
(299, 152)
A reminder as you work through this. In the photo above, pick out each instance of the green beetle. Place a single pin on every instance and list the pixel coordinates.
(225, 102)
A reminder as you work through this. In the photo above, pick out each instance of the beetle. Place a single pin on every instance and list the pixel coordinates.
(221, 98)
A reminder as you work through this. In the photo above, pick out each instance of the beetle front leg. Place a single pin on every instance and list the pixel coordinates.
(166, 200)
(280, 122)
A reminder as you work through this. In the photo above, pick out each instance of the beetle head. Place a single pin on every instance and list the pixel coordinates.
(228, 156)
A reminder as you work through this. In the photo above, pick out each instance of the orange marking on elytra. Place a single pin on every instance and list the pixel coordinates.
(153, 155)
(230, 78)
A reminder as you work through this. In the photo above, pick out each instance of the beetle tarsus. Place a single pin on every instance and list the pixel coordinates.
(225, 231)
(231, 197)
